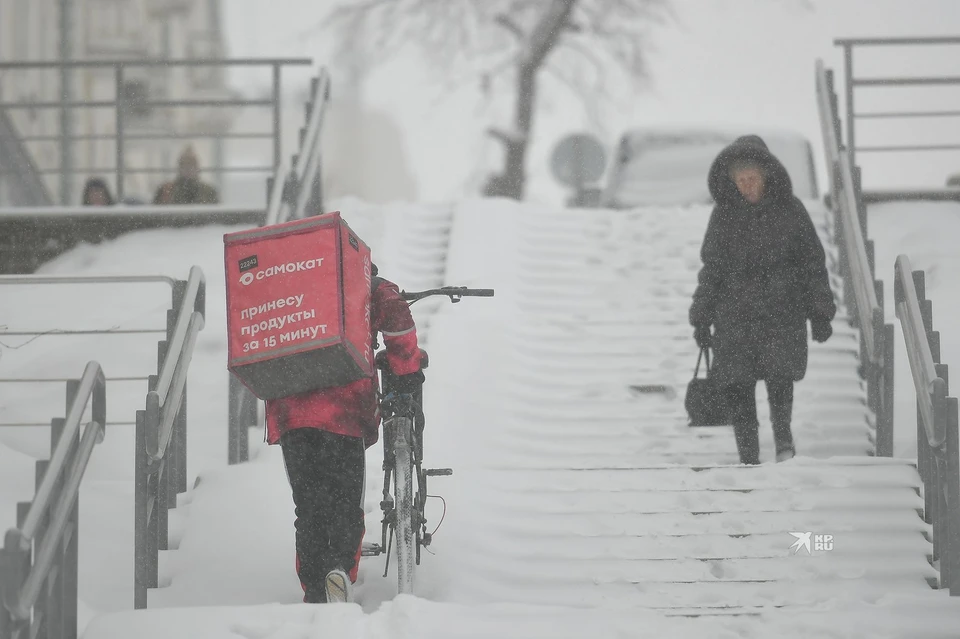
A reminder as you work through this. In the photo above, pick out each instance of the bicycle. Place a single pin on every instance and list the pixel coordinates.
(404, 519)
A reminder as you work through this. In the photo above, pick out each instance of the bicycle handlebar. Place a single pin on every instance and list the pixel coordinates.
(453, 292)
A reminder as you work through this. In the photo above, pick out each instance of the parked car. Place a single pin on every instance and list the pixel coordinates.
(669, 166)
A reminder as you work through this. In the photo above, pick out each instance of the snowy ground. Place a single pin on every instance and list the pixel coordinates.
(523, 388)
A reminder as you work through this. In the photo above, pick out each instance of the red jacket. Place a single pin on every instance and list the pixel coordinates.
(354, 409)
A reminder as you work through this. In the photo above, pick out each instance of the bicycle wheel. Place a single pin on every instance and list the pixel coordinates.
(405, 529)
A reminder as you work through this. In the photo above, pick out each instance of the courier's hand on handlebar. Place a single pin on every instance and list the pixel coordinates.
(408, 384)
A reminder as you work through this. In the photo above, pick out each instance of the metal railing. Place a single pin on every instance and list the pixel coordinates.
(141, 112)
(295, 192)
(852, 116)
(161, 435)
(301, 182)
(863, 293)
(61, 333)
(938, 454)
(39, 559)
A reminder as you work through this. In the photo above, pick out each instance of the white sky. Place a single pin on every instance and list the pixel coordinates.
(738, 61)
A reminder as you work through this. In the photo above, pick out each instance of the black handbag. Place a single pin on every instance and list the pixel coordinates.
(705, 401)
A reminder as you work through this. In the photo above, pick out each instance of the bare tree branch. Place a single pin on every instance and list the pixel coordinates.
(507, 23)
(580, 43)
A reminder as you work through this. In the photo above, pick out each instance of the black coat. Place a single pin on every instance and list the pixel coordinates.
(763, 276)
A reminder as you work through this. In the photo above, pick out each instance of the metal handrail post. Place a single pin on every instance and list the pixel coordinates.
(42, 595)
(242, 411)
(192, 293)
(141, 557)
(92, 378)
(929, 385)
(51, 596)
(121, 160)
(176, 463)
(952, 492)
(161, 414)
(46, 554)
(888, 391)
(848, 80)
(857, 258)
(277, 105)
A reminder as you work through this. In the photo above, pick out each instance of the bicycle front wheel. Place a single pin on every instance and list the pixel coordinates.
(405, 528)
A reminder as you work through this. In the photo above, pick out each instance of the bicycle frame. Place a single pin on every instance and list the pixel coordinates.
(403, 427)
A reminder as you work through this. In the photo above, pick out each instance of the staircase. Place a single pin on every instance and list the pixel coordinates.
(581, 503)
(597, 495)
(22, 184)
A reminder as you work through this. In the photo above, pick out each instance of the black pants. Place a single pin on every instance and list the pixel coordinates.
(742, 404)
(326, 473)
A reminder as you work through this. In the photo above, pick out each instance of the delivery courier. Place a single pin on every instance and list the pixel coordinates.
(304, 304)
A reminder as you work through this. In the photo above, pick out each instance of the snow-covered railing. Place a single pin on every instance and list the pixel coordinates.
(863, 293)
(39, 559)
(938, 450)
(161, 435)
(829, 122)
(68, 330)
(295, 191)
(300, 184)
(859, 259)
(30, 236)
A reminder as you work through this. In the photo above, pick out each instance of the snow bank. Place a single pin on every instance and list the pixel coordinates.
(234, 531)
(927, 233)
(406, 617)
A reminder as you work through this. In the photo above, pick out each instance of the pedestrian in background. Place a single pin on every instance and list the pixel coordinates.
(764, 276)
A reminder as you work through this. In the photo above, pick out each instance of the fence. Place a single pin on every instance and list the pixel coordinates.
(139, 118)
(161, 428)
(863, 293)
(38, 280)
(39, 559)
(161, 436)
(294, 192)
(938, 459)
(852, 116)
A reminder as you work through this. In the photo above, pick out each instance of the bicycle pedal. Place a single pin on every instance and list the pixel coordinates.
(427, 538)
(438, 472)
(371, 550)
(386, 504)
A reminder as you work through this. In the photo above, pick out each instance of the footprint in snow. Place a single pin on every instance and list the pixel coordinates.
(717, 570)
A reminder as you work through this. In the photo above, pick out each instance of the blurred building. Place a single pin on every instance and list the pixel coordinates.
(153, 136)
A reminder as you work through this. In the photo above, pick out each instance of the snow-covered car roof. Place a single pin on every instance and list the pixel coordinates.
(669, 165)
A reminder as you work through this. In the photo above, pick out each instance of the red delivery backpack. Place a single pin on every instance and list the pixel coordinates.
(298, 306)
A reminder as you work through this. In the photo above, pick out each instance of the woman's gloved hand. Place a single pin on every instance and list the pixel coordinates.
(702, 336)
(821, 330)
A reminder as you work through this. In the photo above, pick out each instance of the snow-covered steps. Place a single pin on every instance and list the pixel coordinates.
(590, 490)
(602, 307)
(892, 615)
(409, 244)
(702, 538)
(520, 576)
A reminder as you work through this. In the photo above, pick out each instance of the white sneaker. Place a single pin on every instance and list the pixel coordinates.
(785, 454)
(338, 586)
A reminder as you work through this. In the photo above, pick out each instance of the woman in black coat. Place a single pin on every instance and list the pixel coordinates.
(763, 276)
